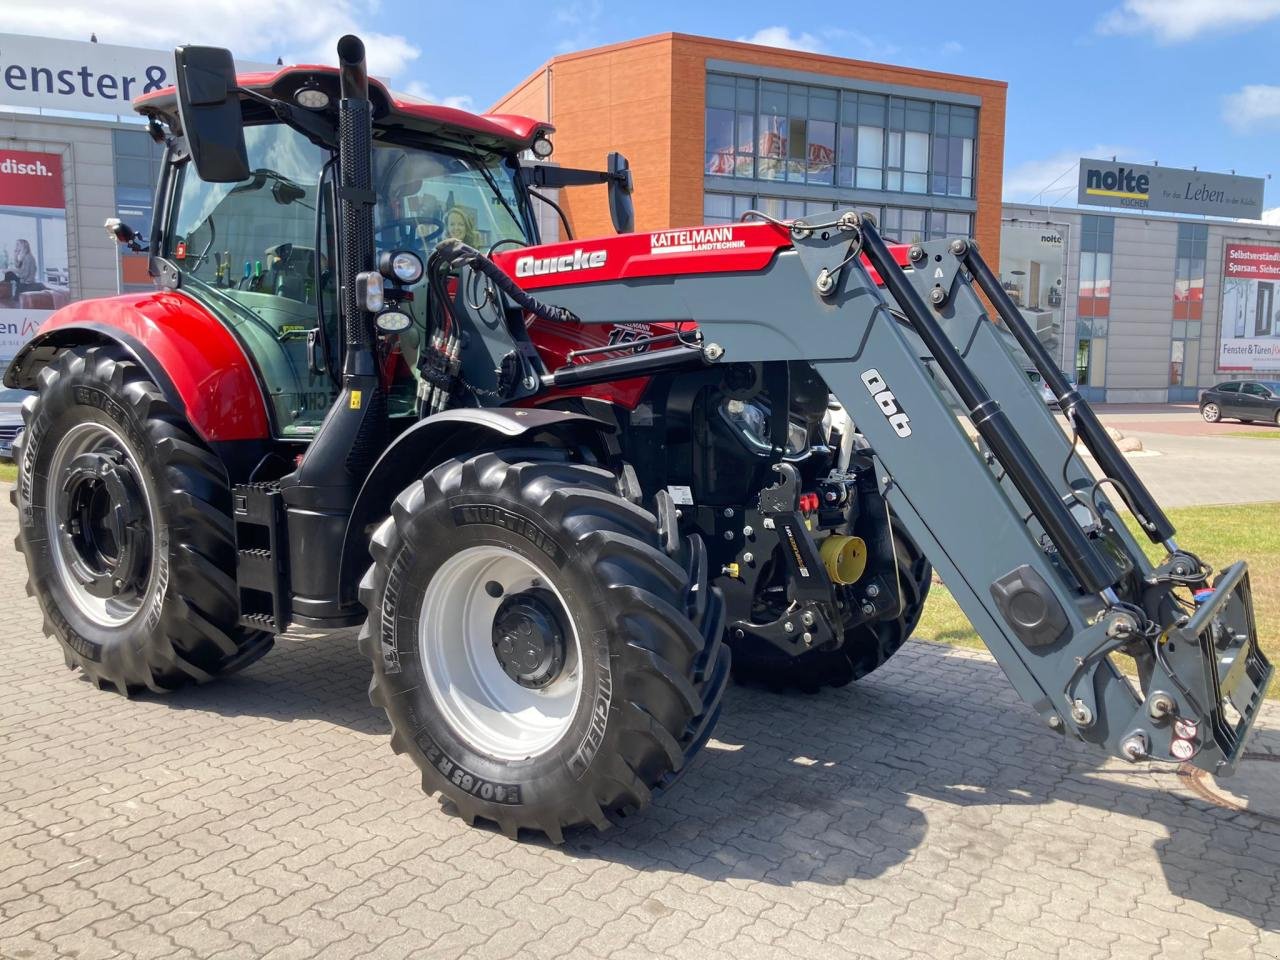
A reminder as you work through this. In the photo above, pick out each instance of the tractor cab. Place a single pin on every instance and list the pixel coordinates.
(260, 252)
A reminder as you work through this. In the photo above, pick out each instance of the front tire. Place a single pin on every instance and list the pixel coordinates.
(1211, 413)
(124, 519)
(537, 653)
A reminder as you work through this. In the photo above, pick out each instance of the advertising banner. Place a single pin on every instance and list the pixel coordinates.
(34, 274)
(1033, 271)
(1139, 186)
(1249, 339)
(82, 77)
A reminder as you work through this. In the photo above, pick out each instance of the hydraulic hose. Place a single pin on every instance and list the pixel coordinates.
(455, 252)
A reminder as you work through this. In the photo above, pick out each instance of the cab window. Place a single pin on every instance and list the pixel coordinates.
(249, 251)
(1233, 387)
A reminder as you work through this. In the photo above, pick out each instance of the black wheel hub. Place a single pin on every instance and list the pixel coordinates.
(102, 523)
(529, 637)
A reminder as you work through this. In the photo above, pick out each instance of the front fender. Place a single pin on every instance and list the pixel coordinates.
(184, 348)
(430, 442)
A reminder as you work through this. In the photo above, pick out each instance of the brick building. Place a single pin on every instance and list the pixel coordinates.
(713, 128)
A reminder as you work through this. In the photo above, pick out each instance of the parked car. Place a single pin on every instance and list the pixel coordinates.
(10, 419)
(1243, 400)
(1046, 393)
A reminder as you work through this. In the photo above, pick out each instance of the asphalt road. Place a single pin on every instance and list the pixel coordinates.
(921, 813)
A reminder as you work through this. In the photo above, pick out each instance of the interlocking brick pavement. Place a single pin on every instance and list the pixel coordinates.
(922, 812)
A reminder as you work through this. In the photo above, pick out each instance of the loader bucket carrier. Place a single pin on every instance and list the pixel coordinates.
(567, 489)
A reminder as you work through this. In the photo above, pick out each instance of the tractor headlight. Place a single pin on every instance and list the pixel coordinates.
(542, 145)
(369, 290)
(751, 421)
(402, 266)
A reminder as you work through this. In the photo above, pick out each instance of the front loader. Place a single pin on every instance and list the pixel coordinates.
(556, 484)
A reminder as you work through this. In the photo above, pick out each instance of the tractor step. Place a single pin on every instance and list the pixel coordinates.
(261, 579)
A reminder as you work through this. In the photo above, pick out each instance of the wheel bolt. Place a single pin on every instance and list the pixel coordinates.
(789, 627)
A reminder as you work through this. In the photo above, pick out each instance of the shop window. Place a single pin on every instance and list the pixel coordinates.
(1091, 352)
(1095, 266)
(1188, 276)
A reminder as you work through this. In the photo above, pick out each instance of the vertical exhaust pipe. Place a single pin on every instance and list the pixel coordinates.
(320, 494)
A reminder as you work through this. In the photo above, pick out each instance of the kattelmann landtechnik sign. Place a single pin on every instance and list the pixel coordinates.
(1136, 186)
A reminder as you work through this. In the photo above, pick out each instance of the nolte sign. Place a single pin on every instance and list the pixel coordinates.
(81, 77)
(1105, 183)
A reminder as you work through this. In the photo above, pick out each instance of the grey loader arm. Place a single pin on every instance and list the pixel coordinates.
(1032, 548)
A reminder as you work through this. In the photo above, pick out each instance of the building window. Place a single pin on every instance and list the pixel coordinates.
(1095, 266)
(1188, 277)
(771, 130)
(1094, 304)
(954, 129)
(731, 137)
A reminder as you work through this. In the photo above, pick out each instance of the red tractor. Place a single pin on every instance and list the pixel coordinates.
(558, 483)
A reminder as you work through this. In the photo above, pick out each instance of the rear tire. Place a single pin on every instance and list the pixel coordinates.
(866, 647)
(124, 519)
(620, 682)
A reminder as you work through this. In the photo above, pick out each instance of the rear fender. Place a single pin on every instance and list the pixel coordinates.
(184, 348)
(434, 440)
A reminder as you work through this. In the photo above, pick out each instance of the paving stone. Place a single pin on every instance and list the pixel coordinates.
(921, 812)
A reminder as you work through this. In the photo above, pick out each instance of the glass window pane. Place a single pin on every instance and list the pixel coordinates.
(720, 91)
(958, 225)
(773, 98)
(870, 178)
(822, 104)
(912, 226)
(1102, 276)
(895, 150)
(916, 155)
(773, 206)
(966, 158)
(798, 100)
(915, 183)
(717, 208)
(746, 133)
(822, 151)
(918, 116)
(772, 146)
(871, 109)
(747, 95)
(870, 146)
(1177, 353)
(719, 142)
(1179, 329)
(893, 180)
(964, 122)
(848, 144)
(1190, 377)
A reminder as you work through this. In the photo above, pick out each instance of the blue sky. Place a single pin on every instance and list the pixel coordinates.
(1184, 82)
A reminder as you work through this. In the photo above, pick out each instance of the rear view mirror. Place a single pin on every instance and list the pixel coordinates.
(210, 113)
(621, 208)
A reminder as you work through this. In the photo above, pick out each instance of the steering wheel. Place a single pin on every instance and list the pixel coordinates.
(419, 234)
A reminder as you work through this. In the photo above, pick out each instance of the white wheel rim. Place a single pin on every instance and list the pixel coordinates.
(1211, 412)
(88, 437)
(481, 703)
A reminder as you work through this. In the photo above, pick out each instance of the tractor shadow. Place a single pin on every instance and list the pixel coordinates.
(320, 676)
(841, 786)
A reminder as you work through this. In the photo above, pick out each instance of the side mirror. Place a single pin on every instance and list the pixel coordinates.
(621, 209)
(210, 113)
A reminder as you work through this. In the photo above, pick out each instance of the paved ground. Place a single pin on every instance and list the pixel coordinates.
(921, 813)
(1187, 462)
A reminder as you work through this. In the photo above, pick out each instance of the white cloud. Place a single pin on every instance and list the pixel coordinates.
(1053, 178)
(418, 90)
(299, 31)
(783, 37)
(1175, 21)
(1252, 106)
(953, 47)
(1271, 216)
